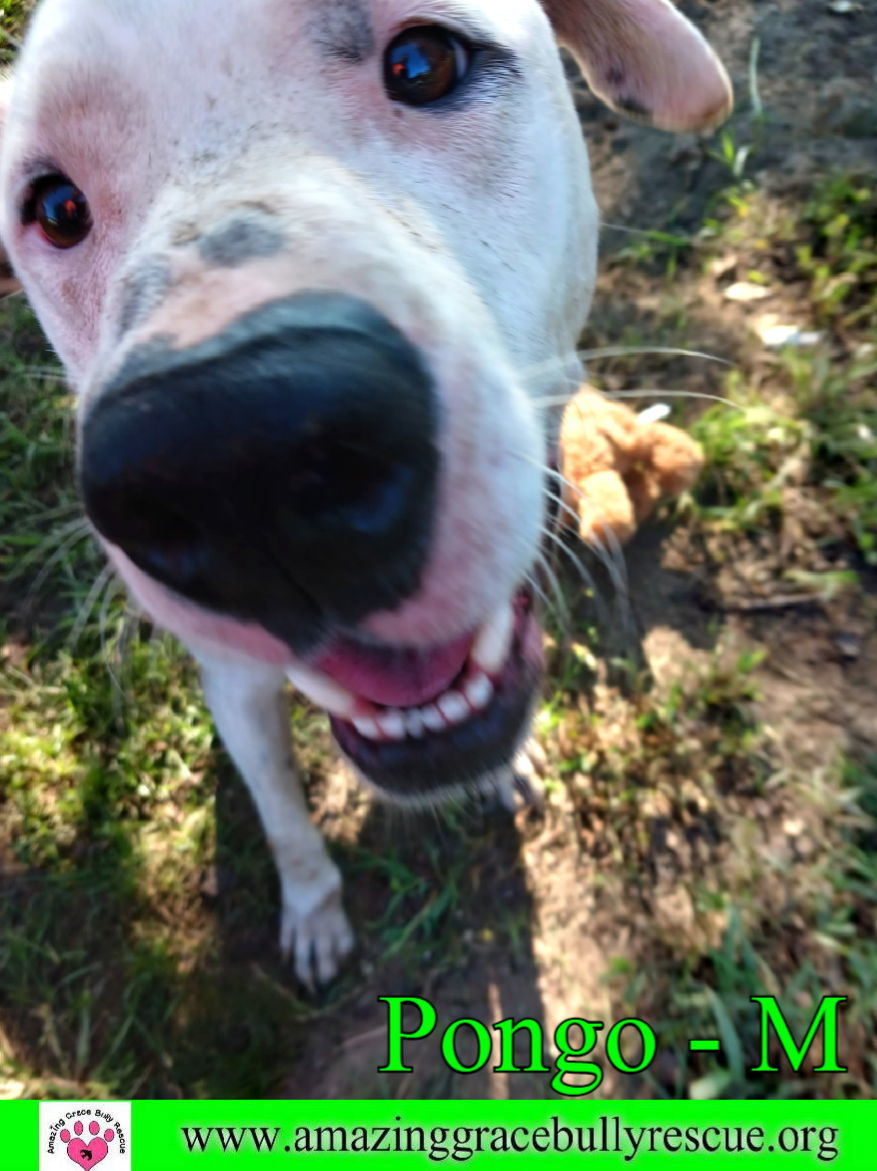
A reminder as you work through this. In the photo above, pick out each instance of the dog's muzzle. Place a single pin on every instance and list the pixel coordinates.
(283, 472)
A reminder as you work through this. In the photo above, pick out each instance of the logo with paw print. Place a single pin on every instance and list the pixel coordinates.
(85, 1134)
(90, 1153)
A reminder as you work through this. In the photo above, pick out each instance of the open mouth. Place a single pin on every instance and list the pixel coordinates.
(416, 721)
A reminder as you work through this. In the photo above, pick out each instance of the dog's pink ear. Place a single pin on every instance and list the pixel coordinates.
(645, 59)
(8, 281)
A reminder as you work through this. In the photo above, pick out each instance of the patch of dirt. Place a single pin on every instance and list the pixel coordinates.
(815, 78)
(608, 885)
(697, 794)
(612, 888)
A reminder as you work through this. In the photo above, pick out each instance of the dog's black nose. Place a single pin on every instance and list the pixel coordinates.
(282, 472)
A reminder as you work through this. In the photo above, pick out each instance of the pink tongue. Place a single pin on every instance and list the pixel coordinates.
(395, 677)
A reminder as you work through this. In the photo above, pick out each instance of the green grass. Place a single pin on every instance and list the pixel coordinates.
(713, 988)
(138, 904)
(840, 259)
(13, 17)
(784, 512)
(815, 438)
(804, 438)
(137, 923)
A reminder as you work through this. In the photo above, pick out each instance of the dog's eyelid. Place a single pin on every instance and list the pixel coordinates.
(34, 167)
(488, 54)
(28, 175)
(476, 38)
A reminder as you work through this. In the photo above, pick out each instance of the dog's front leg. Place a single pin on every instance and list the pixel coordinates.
(252, 718)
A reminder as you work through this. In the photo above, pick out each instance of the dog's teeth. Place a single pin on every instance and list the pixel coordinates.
(479, 692)
(492, 644)
(322, 691)
(433, 720)
(415, 725)
(393, 725)
(454, 708)
(368, 729)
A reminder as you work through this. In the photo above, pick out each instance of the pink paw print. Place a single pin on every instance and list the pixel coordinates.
(87, 1154)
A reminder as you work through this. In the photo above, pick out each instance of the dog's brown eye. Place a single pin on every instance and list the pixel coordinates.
(60, 209)
(423, 65)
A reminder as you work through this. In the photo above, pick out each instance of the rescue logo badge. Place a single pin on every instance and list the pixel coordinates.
(85, 1135)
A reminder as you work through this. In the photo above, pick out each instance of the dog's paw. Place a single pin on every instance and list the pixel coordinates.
(317, 938)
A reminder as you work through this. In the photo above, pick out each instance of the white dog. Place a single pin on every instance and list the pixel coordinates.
(309, 265)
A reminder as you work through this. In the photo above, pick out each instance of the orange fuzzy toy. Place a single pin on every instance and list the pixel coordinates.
(618, 466)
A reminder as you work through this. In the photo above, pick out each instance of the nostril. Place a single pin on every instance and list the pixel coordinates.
(376, 505)
(132, 515)
(350, 488)
(185, 567)
(152, 534)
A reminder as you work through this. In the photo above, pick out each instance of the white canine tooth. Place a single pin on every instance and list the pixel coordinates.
(433, 720)
(392, 725)
(322, 690)
(494, 639)
(479, 691)
(414, 724)
(368, 729)
(454, 708)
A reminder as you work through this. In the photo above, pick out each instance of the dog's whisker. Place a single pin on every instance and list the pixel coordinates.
(87, 608)
(70, 512)
(592, 590)
(644, 392)
(612, 558)
(539, 592)
(567, 509)
(47, 374)
(127, 635)
(60, 539)
(615, 549)
(544, 563)
(564, 366)
(77, 524)
(566, 549)
(10, 40)
(559, 368)
(604, 352)
(553, 497)
(560, 607)
(80, 530)
(647, 233)
(113, 590)
(131, 635)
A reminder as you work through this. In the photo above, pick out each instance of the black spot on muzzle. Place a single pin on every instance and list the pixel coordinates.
(239, 239)
(143, 290)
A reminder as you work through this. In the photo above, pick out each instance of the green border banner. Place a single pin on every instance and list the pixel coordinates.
(18, 1126)
(167, 1136)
